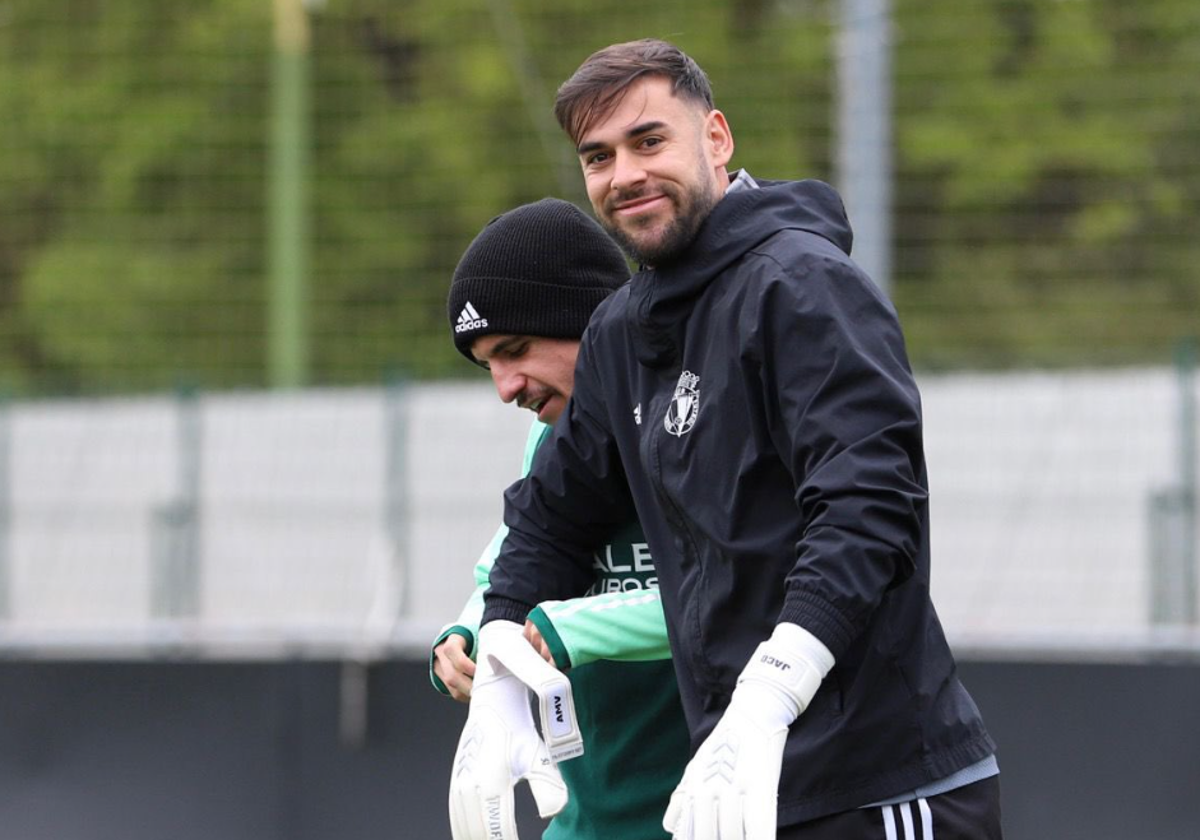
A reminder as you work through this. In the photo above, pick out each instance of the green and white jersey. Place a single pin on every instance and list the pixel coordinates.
(614, 643)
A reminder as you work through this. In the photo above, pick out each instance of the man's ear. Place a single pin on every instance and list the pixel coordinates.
(718, 138)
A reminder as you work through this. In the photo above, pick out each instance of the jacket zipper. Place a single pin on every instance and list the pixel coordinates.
(687, 546)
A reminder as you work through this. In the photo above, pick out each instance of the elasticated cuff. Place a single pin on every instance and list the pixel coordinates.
(498, 608)
(817, 616)
(445, 634)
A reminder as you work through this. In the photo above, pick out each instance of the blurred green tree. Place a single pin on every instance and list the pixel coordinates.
(1046, 161)
(1048, 183)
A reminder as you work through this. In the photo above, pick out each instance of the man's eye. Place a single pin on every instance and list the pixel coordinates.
(597, 158)
(651, 142)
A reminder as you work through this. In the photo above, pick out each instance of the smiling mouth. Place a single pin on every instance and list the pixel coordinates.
(536, 405)
(636, 205)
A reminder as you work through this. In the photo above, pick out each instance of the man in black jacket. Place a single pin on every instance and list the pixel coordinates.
(748, 394)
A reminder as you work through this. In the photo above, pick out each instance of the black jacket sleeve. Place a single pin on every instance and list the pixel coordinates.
(573, 498)
(848, 425)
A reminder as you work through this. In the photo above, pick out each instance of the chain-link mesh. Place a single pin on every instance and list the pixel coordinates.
(1046, 162)
(160, 161)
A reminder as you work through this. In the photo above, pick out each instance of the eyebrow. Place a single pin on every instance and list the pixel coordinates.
(641, 128)
(502, 346)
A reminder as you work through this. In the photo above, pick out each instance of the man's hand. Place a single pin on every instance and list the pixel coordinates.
(500, 744)
(454, 667)
(534, 635)
(730, 788)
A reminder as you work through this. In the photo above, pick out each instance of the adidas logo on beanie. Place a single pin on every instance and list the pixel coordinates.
(540, 269)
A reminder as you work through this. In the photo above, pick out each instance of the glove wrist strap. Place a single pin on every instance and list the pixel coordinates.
(503, 650)
(790, 665)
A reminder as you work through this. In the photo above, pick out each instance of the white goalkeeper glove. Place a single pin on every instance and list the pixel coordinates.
(730, 787)
(500, 745)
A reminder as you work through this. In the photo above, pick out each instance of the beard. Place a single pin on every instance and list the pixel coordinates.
(692, 204)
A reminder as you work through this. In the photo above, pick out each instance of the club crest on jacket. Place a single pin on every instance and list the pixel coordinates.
(684, 406)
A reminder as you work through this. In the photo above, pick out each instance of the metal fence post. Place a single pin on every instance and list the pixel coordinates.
(864, 131)
(1172, 513)
(396, 485)
(1185, 367)
(6, 483)
(355, 674)
(288, 198)
(175, 589)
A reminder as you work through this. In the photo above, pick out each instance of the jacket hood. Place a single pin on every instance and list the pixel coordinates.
(660, 297)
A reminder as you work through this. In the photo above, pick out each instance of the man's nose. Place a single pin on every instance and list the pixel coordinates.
(509, 382)
(628, 171)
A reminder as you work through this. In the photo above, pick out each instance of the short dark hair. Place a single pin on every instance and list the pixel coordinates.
(596, 88)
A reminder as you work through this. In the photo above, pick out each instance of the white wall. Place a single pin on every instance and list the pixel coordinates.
(1040, 486)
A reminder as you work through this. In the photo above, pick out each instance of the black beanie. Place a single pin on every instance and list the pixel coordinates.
(540, 269)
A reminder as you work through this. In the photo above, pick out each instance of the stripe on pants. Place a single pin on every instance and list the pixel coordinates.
(926, 819)
(906, 818)
(889, 823)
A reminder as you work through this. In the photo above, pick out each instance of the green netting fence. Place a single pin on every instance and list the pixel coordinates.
(164, 163)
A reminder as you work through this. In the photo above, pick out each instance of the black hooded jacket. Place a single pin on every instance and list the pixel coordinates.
(753, 403)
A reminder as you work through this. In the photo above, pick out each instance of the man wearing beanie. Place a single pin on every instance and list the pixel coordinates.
(520, 299)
